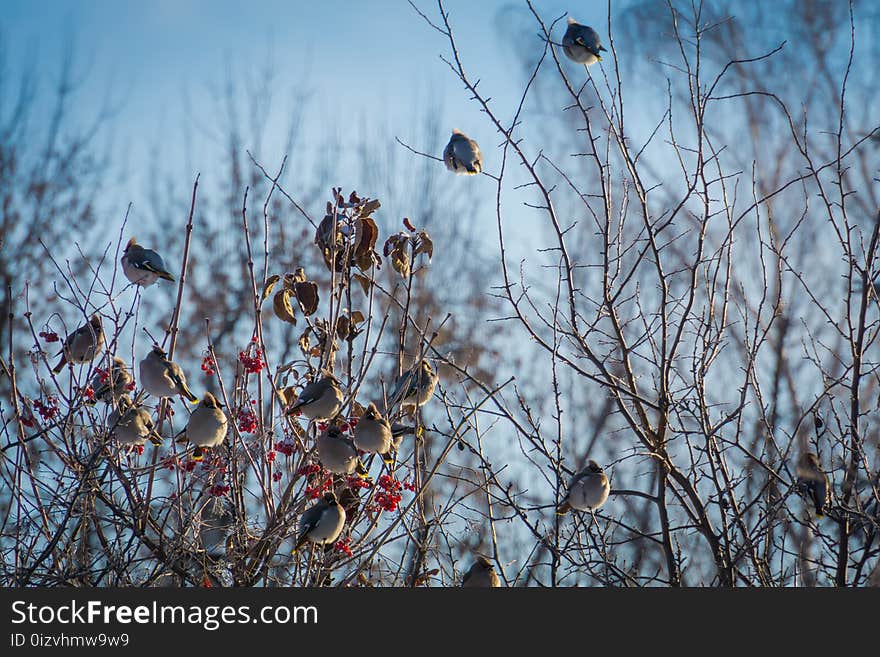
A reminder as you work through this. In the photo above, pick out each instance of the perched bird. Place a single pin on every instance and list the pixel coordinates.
(581, 43)
(338, 454)
(216, 522)
(481, 574)
(83, 344)
(206, 427)
(321, 523)
(319, 400)
(462, 155)
(414, 387)
(110, 384)
(143, 266)
(813, 482)
(373, 433)
(162, 377)
(132, 425)
(587, 490)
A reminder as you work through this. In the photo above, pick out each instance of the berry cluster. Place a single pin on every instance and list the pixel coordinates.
(89, 393)
(276, 476)
(252, 364)
(344, 546)
(28, 420)
(49, 336)
(103, 375)
(285, 447)
(209, 367)
(48, 408)
(316, 491)
(308, 470)
(247, 420)
(356, 483)
(389, 497)
(219, 490)
(270, 456)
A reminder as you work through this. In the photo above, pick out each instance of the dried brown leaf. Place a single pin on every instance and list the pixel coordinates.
(423, 244)
(267, 288)
(283, 308)
(307, 295)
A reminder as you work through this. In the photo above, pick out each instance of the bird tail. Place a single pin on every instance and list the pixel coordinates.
(563, 509)
(60, 366)
(603, 48)
(156, 439)
(361, 470)
(165, 275)
(186, 392)
(388, 457)
(198, 453)
(299, 543)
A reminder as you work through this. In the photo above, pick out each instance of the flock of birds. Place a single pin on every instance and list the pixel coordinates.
(322, 399)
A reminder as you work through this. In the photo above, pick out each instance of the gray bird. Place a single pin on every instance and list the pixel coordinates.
(373, 434)
(83, 344)
(587, 491)
(114, 381)
(162, 377)
(813, 482)
(216, 522)
(132, 425)
(319, 400)
(206, 427)
(462, 155)
(581, 43)
(414, 387)
(143, 266)
(321, 523)
(338, 454)
(481, 574)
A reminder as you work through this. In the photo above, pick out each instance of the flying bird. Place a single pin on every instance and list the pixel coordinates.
(83, 344)
(462, 155)
(587, 490)
(143, 266)
(581, 43)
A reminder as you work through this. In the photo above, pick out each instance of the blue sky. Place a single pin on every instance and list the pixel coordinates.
(151, 53)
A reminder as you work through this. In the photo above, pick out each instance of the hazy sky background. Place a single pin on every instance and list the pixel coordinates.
(374, 59)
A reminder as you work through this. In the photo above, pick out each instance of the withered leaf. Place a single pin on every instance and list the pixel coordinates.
(364, 281)
(305, 343)
(288, 395)
(370, 207)
(423, 244)
(307, 295)
(267, 288)
(357, 317)
(366, 234)
(397, 248)
(282, 307)
(343, 325)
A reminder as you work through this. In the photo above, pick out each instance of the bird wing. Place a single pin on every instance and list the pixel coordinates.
(309, 394)
(148, 260)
